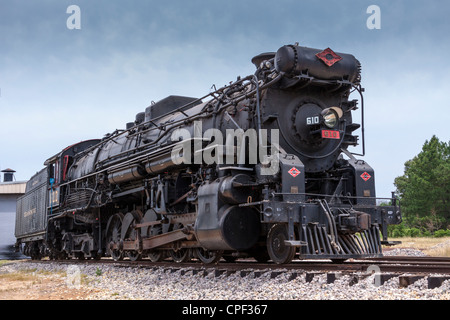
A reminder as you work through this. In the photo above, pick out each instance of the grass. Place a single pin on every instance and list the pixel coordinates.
(21, 275)
(436, 247)
(2, 262)
(17, 276)
(27, 278)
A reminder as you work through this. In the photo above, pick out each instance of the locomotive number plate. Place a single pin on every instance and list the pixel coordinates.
(330, 134)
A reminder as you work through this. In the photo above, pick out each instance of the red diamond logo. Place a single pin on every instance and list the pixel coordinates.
(294, 172)
(328, 56)
(365, 176)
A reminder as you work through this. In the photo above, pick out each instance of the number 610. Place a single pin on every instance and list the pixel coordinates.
(312, 120)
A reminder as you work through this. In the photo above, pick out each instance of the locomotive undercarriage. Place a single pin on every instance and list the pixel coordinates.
(179, 216)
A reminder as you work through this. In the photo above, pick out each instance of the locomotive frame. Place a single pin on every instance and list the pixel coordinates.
(141, 192)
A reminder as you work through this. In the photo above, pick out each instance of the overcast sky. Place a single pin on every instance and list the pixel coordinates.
(60, 86)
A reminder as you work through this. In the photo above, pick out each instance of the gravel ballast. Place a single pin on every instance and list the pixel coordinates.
(112, 282)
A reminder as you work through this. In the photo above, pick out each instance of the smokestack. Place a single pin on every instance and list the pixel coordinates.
(8, 175)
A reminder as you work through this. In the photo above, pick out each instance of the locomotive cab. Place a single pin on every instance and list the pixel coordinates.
(58, 168)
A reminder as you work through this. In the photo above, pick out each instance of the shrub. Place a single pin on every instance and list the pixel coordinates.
(442, 233)
(396, 231)
(412, 232)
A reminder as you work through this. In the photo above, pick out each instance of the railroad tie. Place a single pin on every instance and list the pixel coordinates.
(436, 281)
(405, 281)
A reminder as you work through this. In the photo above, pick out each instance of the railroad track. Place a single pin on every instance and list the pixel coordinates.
(408, 269)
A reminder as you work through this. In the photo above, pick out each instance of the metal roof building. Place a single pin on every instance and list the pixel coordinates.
(9, 192)
(13, 188)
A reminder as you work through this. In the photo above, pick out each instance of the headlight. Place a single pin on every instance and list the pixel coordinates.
(330, 118)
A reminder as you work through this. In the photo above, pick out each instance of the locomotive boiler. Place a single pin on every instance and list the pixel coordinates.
(258, 168)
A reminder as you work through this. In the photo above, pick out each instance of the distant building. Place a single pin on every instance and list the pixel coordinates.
(8, 175)
(10, 190)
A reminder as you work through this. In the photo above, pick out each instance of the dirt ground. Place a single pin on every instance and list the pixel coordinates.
(37, 286)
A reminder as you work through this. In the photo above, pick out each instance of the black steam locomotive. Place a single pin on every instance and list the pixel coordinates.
(259, 168)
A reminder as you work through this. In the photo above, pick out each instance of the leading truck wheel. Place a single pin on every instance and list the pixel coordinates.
(278, 251)
(208, 256)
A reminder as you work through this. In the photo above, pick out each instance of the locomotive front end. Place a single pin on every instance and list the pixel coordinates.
(332, 211)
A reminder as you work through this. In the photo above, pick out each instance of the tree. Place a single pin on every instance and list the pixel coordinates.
(424, 189)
